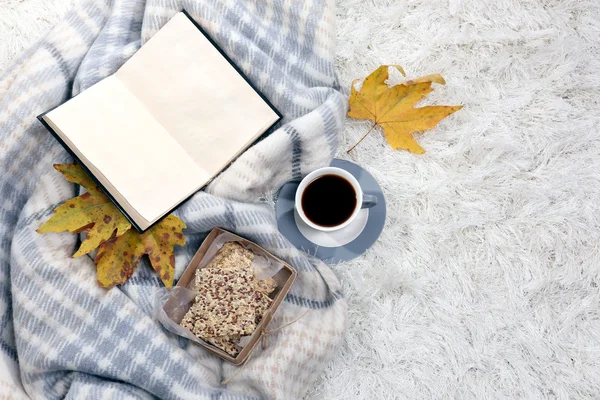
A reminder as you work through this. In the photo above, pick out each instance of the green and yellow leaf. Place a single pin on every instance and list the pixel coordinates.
(120, 247)
(158, 242)
(117, 258)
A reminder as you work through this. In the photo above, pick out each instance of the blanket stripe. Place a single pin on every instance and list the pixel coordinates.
(61, 336)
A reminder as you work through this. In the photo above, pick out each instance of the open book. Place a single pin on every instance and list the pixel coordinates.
(161, 127)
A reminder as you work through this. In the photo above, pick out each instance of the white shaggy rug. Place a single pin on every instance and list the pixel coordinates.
(486, 280)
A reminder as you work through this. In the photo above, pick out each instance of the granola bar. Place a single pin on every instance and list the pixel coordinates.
(224, 305)
(232, 255)
(231, 302)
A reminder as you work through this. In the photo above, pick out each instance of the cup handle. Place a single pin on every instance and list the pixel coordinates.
(369, 201)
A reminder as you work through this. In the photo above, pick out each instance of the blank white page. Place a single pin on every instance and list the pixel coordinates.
(196, 94)
(128, 149)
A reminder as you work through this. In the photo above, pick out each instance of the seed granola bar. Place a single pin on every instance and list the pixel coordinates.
(234, 255)
(230, 301)
(224, 305)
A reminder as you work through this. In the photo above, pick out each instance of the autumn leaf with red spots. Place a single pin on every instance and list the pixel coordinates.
(118, 256)
(120, 247)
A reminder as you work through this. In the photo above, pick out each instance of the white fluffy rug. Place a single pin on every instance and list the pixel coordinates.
(486, 280)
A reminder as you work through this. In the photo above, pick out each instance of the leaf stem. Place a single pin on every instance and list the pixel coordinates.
(362, 138)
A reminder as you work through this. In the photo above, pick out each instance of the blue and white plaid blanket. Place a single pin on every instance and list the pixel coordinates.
(63, 336)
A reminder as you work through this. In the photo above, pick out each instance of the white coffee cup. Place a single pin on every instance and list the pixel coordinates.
(362, 200)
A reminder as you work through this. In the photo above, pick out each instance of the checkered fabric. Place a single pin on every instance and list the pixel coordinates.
(61, 336)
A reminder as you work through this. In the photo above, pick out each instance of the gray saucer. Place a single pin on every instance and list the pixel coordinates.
(286, 222)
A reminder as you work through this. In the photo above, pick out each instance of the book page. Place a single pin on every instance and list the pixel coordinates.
(107, 185)
(128, 150)
(196, 94)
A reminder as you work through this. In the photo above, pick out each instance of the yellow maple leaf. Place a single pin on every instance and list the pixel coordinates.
(392, 108)
(120, 247)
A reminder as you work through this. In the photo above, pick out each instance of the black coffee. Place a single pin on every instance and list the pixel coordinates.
(329, 200)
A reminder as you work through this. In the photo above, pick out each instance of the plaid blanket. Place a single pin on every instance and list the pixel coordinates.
(61, 336)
